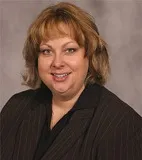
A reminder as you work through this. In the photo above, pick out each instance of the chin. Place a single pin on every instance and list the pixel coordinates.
(61, 90)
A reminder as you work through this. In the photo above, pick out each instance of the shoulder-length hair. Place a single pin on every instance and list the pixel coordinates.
(82, 28)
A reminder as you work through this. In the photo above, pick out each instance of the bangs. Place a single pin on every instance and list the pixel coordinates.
(56, 28)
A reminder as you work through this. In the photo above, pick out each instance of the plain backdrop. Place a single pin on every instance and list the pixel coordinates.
(119, 23)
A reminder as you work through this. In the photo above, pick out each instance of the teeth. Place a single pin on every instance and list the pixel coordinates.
(60, 75)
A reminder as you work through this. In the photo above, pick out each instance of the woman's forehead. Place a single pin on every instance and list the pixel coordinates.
(58, 42)
(52, 31)
(57, 31)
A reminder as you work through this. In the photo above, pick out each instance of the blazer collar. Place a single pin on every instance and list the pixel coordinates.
(89, 98)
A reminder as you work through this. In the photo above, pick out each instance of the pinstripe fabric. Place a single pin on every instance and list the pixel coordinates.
(31, 125)
(105, 130)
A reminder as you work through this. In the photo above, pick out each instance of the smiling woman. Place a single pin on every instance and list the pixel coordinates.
(63, 66)
(68, 114)
(55, 22)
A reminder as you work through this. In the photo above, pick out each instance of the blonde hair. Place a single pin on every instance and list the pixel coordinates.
(82, 28)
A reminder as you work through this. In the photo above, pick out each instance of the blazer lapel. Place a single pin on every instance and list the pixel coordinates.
(29, 132)
(69, 135)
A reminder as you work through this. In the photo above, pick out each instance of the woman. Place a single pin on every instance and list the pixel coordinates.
(69, 115)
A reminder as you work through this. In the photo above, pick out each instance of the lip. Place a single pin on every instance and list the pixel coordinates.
(67, 73)
(60, 77)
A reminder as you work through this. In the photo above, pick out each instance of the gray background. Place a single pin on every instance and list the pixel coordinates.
(119, 22)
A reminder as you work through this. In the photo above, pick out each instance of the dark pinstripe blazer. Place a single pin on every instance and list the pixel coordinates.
(105, 128)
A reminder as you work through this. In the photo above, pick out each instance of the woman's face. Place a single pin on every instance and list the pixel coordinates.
(62, 66)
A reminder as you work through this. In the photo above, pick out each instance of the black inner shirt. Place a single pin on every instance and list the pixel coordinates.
(48, 135)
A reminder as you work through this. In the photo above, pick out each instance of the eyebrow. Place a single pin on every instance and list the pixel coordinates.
(63, 44)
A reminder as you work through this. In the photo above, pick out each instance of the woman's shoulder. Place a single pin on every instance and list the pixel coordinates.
(17, 107)
(24, 94)
(109, 103)
(116, 105)
(117, 127)
(16, 99)
(116, 115)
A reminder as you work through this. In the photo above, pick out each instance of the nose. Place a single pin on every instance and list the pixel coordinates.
(58, 61)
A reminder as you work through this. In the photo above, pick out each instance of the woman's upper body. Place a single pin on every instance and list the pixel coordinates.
(99, 126)
(66, 59)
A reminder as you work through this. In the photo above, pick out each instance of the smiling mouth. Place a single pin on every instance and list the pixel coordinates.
(60, 75)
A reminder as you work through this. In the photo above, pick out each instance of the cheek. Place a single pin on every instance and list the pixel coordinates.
(40, 66)
(43, 70)
(81, 66)
(43, 65)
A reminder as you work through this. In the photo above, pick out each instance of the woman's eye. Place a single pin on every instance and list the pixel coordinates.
(45, 51)
(71, 50)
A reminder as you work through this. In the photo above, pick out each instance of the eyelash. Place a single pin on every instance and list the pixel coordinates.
(71, 50)
(48, 51)
(45, 51)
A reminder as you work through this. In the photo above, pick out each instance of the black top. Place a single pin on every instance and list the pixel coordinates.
(103, 127)
(48, 136)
